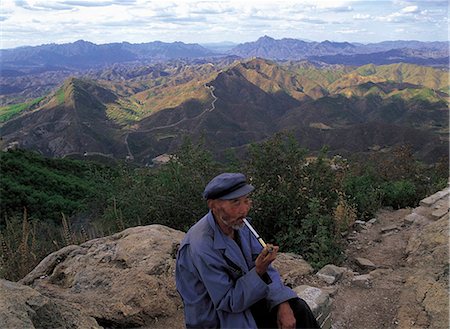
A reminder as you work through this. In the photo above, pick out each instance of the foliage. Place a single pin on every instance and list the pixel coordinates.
(395, 179)
(24, 243)
(399, 194)
(170, 195)
(48, 187)
(294, 199)
(363, 191)
(10, 111)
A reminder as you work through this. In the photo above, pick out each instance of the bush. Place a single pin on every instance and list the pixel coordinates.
(399, 194)
(364, 193)
(294, 199)
(170, 195)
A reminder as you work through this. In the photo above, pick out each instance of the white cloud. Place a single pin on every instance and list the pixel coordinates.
(410, 10)
(362, 17)
(103, 21)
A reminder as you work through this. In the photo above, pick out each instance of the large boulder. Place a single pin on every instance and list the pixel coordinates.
(127, 279)
(123, 280)
(24, 307)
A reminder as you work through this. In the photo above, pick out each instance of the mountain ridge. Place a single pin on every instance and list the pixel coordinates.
(239, 104)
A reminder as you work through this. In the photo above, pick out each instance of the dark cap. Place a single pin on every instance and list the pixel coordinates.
(227, 186)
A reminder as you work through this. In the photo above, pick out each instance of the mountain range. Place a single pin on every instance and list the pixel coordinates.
(140, 112)
(82, 54)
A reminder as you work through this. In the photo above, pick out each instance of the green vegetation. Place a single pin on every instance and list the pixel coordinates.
(48, 187)
(10, 111)
(303, 204)
(60, 95)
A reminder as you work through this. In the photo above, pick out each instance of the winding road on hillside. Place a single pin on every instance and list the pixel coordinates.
(130, 155)
(210, 109)
(213, 107)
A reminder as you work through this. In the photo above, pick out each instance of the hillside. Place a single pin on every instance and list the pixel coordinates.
(72, 121)
(144, 112)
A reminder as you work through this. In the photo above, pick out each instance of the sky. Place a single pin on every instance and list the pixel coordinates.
(37, 22)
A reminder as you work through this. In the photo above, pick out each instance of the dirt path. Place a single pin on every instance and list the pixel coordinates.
(375, 303)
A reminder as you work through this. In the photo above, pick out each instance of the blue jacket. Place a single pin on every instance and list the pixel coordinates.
(218, 283)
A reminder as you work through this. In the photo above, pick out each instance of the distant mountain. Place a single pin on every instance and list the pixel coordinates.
(267, 47)
(414, 52)
(411, 56)
(82, 54)
(219, 47)
(145, 112)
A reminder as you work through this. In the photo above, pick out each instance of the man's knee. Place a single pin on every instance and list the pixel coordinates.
(303, 314)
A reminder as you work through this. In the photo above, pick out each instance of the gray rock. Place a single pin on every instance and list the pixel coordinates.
(429, 201)
(362, 281)
(414, 218)
(125, 280)
(319, 301)
(389, 228)
(331, 273)
(25, 308)
(365, 264)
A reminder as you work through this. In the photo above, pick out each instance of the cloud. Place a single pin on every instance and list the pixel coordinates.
(410, 10)
(41, 5)
(87, 3)
(311, 20)
(351, 31)
(362, 17)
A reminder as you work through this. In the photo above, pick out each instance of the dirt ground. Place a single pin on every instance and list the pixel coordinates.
(374, 305)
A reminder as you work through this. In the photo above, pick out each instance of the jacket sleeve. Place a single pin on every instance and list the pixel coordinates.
(278, 292)
(228, 294)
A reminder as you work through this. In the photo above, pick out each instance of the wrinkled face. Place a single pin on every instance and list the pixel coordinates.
(230, 213)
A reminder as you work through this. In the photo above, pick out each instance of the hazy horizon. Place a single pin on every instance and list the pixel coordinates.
(36, 22)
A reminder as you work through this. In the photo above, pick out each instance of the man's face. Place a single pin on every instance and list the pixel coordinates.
(231, 212)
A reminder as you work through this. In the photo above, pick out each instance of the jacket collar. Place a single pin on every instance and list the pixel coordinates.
(231, 249)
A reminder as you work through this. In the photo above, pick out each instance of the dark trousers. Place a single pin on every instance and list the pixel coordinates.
(268, 320)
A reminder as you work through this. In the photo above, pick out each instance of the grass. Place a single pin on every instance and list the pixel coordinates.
(10, 111)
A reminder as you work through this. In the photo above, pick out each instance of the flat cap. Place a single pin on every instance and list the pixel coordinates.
(227, 186)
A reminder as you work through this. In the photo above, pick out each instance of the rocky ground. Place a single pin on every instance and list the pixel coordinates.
(376, 305)
(406, 284)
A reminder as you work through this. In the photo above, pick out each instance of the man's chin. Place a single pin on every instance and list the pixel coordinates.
(238, 225)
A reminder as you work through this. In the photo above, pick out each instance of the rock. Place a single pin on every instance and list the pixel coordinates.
(292, 268)
(389, 228)
(362, 281)
(24, 307)
(372, 221)
(124, 280)
(365, 264)
(331, 273)
(440, 212)
(427, 257)
(429, 201)
(319, 301)
(415, 218)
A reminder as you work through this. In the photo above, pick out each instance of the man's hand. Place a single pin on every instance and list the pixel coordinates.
(267, 256)
(285, 316)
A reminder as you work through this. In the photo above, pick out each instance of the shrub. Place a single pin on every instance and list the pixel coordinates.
(399, 194)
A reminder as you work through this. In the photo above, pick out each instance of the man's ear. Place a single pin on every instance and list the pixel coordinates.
(211, 203)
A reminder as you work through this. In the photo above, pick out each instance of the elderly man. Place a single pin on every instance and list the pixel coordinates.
(223, 274)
